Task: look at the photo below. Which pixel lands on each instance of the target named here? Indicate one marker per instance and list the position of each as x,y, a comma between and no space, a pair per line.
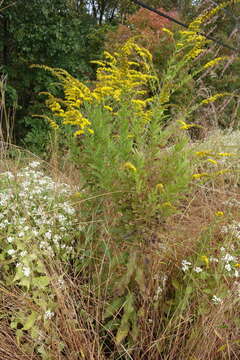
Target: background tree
50,32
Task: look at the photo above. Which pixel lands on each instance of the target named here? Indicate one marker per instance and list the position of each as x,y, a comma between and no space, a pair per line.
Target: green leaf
189,290
135,330
39,266
122,332
30,320
141,281
176,284
126,319
113,324
19,274
41,281
131,267
25,282
19,334
208,291
113,307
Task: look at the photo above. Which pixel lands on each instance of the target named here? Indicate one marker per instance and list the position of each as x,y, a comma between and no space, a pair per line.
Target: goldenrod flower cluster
215,97
193,36
128,165
219,213
185,126
68,109
196,24
212,157
120,76
214,62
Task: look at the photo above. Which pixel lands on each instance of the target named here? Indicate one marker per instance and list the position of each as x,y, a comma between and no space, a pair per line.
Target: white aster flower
10,239
61,283
229,257
34,164
11,251
185,265
216,300
228,267
48,235
8,174
26,271
197,269
48,315
236,273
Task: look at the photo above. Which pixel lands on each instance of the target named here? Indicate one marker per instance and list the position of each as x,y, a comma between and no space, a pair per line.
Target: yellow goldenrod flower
160,187
169,205
212,161
78,132
179,44
169,32
205,259
193,54
237,265
219,213
225,154
76,195
91,131
186,126
97,62
130,166
214,62
165,94
108,108
110,57
54,125
187,32
214,98
203,153
141,103
199,176
133,63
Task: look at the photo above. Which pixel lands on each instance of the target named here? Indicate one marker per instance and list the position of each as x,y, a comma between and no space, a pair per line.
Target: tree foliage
50,32
148,30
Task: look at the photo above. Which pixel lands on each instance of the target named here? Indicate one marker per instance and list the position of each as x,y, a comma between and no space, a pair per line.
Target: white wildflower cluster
34,214
216,300
229,263
232,230
225,263
186,265
213,259
48,315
